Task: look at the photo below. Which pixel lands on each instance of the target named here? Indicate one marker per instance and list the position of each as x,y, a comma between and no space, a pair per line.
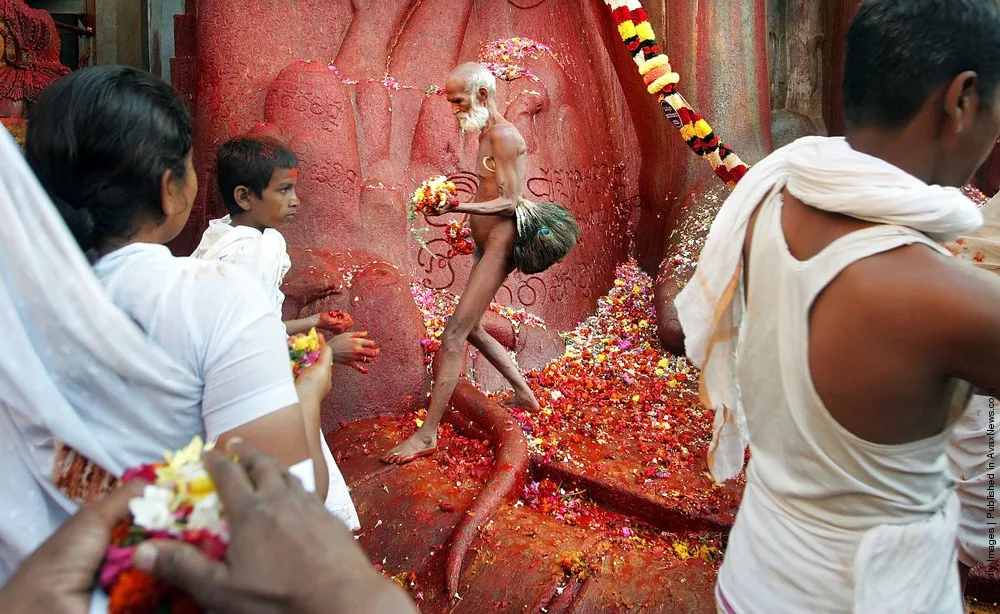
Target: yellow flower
662,364
185,471
626,29
682,551
702,129
190,454
645,31
308,343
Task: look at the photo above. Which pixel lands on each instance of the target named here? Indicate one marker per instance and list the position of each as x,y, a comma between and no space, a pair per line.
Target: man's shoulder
916,287
506,136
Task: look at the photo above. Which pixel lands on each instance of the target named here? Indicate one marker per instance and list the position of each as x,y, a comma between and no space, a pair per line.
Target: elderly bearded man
498,216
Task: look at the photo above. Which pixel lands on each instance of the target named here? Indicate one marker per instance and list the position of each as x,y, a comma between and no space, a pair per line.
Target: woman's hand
354,350
315,381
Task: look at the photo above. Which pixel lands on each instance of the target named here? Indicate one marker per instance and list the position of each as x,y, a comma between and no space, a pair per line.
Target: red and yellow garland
661,81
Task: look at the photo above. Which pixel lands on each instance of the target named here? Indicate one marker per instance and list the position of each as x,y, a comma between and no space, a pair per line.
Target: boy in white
257,178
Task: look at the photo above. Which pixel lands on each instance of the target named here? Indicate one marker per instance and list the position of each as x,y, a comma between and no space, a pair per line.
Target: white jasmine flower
151,511
207,514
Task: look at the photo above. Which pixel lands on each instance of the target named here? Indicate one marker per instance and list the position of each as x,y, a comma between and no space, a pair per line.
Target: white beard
475,119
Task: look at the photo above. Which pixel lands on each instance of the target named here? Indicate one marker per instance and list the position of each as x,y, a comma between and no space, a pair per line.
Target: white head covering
67,356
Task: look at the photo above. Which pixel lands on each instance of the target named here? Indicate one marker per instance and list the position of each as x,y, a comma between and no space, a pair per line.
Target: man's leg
484,282
498,356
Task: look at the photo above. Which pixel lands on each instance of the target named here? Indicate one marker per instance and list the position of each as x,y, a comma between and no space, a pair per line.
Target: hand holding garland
313,563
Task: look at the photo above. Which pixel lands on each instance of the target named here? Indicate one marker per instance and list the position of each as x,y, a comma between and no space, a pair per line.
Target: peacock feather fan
546,232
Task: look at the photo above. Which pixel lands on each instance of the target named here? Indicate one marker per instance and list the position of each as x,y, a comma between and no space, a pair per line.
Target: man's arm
971,327
507,148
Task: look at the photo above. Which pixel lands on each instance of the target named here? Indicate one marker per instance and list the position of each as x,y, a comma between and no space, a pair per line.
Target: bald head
472,77
471,89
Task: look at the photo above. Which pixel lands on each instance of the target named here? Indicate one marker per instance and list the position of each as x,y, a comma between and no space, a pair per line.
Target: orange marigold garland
661,81
459,237
434,197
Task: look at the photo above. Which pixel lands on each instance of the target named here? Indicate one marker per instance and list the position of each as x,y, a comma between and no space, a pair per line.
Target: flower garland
459,238
303,350
661,81
434,197
179,504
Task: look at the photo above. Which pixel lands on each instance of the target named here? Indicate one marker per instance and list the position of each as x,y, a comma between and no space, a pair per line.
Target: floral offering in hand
303,350
434,197
179,504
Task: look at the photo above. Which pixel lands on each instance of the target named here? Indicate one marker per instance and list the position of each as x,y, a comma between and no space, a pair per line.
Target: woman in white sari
107,364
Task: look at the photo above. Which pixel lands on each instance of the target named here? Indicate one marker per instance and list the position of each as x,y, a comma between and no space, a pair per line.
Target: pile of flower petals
438,305
615,382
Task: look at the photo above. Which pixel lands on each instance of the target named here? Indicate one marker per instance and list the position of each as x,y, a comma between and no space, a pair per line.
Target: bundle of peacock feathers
546,232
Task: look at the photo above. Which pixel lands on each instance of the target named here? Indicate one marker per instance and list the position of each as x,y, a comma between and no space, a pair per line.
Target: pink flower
211,544
146,473
116,561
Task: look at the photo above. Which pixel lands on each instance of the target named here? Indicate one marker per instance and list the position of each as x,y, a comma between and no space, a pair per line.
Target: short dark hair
250,162
99,141
899,51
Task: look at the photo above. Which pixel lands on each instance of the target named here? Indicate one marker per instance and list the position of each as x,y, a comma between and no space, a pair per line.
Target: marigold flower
135,592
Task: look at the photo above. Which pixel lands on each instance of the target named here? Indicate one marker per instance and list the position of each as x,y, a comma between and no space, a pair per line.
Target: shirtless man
501,161
850,358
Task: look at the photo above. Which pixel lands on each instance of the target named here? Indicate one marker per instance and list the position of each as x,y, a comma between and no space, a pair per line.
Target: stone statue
352,86
29,55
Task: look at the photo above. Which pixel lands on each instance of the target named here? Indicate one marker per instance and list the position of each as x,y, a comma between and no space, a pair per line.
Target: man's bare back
891,333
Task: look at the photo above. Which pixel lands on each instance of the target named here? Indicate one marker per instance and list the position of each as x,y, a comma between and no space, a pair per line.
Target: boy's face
277,204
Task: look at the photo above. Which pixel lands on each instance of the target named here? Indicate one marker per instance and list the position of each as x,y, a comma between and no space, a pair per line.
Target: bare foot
419,445
525,401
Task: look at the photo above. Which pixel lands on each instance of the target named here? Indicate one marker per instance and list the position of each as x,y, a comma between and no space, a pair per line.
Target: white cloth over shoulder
825,173
103,378
264,254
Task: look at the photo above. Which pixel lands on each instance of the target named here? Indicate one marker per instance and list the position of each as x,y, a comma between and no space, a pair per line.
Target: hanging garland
661,81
